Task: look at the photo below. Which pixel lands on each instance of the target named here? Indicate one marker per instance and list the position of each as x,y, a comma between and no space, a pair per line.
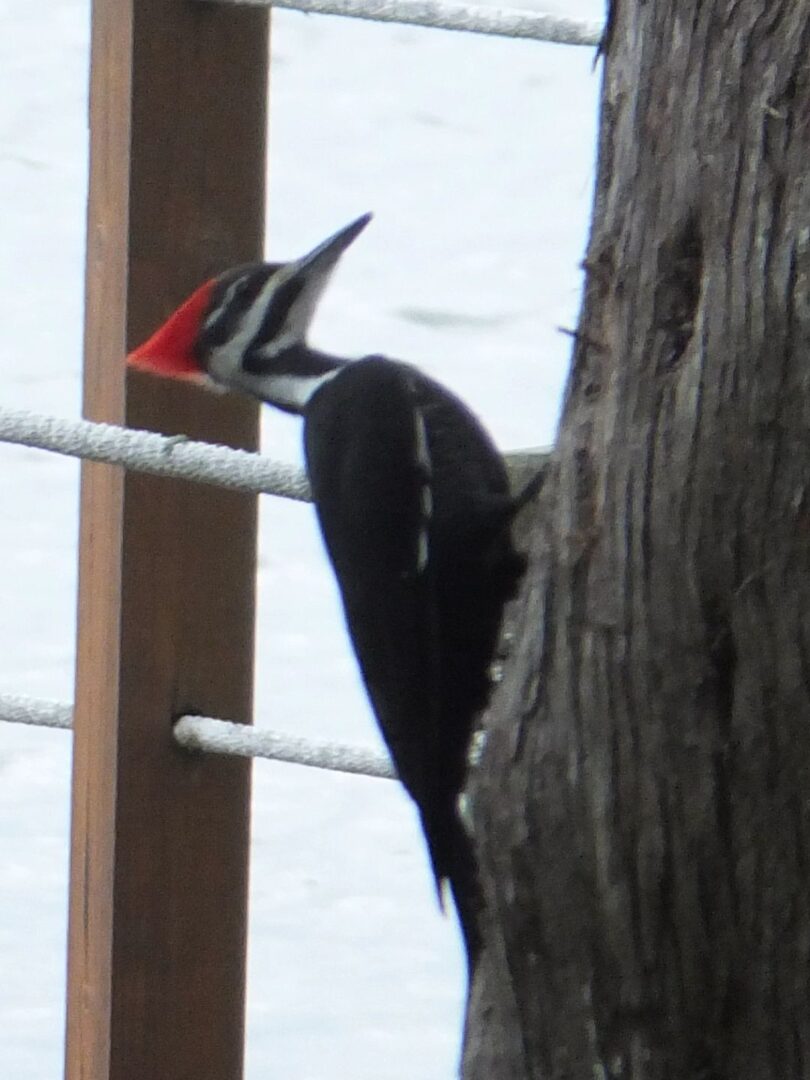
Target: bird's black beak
321,261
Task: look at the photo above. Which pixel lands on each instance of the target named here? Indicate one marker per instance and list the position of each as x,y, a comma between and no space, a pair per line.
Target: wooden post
159,837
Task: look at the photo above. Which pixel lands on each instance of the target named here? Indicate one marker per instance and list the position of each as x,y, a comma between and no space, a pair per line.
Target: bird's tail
453,860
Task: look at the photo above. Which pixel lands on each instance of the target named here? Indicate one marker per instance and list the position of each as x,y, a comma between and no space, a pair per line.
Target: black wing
371,483
414,506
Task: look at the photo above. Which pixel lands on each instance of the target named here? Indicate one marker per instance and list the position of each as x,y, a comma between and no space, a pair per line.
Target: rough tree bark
643,801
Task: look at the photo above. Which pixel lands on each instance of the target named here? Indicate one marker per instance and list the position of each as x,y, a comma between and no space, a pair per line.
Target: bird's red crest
170,350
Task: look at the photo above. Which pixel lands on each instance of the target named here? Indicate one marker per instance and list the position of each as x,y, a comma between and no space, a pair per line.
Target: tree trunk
642,804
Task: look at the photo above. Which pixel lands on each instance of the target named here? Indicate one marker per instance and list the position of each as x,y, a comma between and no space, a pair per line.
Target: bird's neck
294,376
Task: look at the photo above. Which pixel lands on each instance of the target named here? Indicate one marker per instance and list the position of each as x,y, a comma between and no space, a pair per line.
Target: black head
246,329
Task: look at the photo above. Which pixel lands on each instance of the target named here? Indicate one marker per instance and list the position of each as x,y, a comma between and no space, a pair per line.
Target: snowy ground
476,156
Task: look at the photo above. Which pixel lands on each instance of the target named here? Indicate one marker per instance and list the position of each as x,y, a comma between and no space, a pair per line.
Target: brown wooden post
159,838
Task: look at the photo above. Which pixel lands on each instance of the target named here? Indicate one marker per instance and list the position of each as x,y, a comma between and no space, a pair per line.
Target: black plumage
422,551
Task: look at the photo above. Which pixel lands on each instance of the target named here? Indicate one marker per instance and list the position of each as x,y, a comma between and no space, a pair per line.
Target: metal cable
502,22
203,733
160,455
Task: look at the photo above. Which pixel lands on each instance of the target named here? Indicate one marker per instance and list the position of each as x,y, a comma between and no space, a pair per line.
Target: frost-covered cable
160,455
39,712
503,22
240,740
221,737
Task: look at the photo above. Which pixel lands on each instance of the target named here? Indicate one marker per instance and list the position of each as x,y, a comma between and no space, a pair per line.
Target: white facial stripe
225,361
271,349
286,391
223,304
297,322
254,316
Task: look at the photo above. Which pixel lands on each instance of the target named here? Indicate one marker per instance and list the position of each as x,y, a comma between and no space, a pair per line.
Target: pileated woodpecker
415,510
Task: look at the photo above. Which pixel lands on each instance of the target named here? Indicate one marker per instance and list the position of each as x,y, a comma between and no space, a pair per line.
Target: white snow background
476,155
